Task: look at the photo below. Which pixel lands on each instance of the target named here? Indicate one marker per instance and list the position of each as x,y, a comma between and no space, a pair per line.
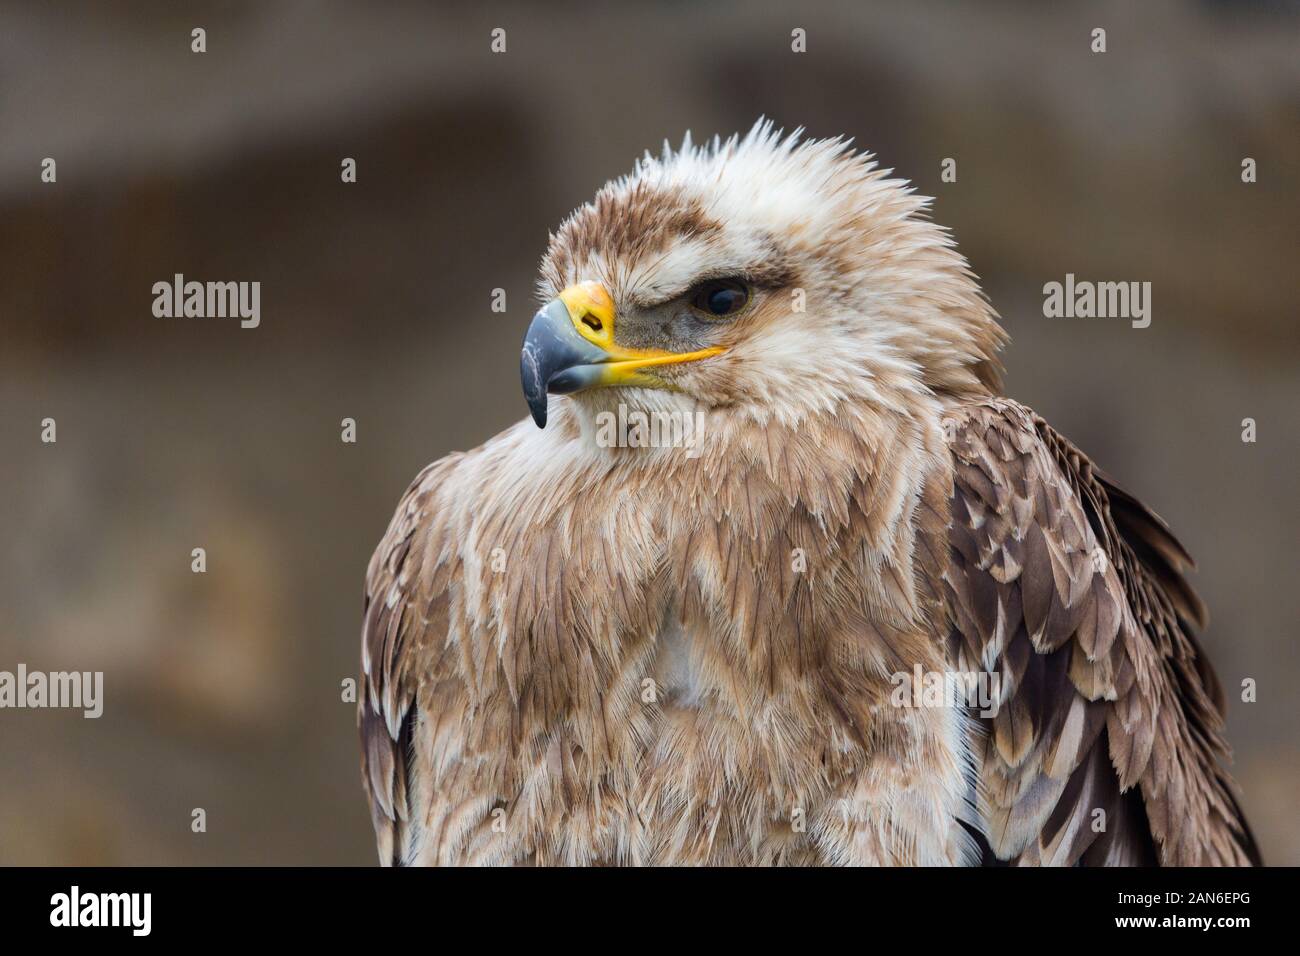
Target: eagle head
771,275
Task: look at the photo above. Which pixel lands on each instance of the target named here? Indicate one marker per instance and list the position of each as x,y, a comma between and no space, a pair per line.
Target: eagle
584,647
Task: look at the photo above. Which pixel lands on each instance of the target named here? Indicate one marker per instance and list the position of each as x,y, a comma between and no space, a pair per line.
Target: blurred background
222,690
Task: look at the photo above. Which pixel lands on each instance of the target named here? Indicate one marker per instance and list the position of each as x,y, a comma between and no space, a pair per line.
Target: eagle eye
719,297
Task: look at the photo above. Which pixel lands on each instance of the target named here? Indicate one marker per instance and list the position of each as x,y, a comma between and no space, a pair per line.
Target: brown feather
1122,621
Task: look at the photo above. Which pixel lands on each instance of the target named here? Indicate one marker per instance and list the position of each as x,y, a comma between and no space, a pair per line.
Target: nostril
592,322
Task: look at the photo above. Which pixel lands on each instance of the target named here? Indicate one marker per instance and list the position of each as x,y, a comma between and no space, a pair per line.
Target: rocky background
223,689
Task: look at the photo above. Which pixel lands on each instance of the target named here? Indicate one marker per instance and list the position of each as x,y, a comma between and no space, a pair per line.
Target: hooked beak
570,346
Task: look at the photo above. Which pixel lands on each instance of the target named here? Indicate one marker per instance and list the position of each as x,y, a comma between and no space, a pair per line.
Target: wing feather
405,616
1073,593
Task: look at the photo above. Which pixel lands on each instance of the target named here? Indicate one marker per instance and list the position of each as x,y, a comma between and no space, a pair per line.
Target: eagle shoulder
1073,593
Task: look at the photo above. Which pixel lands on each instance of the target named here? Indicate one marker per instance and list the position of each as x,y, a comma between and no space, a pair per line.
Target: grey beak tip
534,386
538,410
555,359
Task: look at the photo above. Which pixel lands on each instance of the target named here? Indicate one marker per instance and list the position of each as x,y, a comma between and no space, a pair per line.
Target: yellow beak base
570,346
591,310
